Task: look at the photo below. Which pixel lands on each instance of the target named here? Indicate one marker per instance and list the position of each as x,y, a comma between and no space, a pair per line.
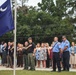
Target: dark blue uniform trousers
66,57
56,61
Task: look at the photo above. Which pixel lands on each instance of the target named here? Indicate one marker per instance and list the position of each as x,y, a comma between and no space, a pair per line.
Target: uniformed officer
56,54
65,45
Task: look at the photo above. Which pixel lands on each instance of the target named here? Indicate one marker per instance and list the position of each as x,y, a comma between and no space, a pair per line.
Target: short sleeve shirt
56,47
65,44
31,49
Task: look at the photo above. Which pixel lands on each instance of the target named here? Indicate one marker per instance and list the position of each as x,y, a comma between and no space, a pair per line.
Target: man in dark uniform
31,57
65,46
56,54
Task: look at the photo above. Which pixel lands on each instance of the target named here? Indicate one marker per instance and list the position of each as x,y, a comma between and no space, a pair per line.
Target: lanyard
54,45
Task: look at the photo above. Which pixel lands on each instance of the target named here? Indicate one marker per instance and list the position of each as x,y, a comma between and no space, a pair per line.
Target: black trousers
4,58
48,61
66,57
56,61
12,60
20,60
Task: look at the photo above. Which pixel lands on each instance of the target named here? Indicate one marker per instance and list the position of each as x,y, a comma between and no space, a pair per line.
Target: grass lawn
24,72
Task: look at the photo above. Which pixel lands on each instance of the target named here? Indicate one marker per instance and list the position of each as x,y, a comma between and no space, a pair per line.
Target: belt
65,51
55,52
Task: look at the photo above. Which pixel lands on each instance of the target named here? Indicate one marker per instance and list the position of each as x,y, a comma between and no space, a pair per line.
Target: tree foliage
46,21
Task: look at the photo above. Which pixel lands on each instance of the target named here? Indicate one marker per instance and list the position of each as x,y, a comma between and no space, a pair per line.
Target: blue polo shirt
64,44
56,47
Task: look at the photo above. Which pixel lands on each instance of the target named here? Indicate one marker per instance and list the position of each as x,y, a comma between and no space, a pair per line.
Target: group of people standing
63,54
61,50
24,53
6,53
57,55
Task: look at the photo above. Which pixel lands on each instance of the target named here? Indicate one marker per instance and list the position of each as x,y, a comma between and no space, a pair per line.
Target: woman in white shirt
73,55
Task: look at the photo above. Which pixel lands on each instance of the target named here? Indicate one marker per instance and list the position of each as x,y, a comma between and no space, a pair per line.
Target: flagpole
15,22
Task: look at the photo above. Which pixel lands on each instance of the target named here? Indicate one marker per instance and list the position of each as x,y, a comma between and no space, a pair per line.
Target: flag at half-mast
6,19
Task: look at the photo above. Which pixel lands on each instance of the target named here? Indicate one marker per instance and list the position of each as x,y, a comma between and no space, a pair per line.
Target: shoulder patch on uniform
66,42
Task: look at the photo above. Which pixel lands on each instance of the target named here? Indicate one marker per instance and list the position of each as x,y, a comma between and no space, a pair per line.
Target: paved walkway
38,69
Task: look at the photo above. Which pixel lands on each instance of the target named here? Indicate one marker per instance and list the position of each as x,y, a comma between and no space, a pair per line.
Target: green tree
47,21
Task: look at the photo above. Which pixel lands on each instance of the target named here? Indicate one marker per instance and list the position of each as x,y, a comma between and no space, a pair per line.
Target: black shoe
67,70
53,71
32,69
25,69
7,66
63,70
59,71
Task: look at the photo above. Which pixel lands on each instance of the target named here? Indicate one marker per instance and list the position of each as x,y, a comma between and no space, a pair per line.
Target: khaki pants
31,61
25,61
9,61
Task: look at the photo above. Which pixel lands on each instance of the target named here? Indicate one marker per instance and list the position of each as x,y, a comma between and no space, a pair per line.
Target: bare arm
34,52
65,48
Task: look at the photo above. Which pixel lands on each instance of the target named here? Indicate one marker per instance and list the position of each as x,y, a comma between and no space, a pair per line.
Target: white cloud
32,2
54,2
